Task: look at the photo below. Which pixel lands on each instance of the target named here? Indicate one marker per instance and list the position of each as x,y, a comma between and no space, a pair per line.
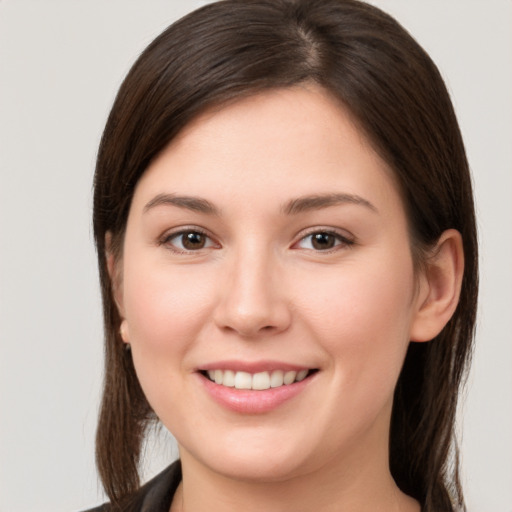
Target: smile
254,387
256,381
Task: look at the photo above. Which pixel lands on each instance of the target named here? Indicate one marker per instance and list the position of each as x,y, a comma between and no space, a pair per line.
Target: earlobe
123,331
440,286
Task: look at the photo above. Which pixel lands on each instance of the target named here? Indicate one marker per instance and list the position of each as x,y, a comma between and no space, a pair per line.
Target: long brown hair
363,57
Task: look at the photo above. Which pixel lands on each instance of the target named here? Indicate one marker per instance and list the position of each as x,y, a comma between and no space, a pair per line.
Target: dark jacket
154,496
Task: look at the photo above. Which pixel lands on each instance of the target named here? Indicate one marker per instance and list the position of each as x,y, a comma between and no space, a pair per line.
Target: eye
323,241
188,240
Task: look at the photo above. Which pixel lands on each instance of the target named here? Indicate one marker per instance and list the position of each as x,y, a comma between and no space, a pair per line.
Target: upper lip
253,366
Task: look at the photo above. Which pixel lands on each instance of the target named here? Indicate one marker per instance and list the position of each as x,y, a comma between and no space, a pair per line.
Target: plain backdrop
61,62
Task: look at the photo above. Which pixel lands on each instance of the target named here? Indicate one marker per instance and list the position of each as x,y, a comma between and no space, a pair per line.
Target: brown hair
363,57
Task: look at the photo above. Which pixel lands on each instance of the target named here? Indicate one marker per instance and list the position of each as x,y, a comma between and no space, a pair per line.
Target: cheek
362,316
165,306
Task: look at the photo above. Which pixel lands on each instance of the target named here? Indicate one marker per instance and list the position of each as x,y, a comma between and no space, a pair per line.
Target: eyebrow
195,204
292,207
318,201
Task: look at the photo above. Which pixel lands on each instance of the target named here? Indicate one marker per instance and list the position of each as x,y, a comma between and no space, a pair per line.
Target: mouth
255,387
259,381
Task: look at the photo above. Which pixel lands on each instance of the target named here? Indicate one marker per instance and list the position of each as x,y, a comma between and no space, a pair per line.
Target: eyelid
346,239
181,230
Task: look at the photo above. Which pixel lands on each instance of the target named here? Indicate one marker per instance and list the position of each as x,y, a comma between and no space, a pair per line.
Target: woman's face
266,242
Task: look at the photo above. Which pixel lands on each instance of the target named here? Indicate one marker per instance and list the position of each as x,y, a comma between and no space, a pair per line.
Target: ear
439,288
114,272
116,283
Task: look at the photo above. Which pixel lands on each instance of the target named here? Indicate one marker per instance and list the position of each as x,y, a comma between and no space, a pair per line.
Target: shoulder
154,496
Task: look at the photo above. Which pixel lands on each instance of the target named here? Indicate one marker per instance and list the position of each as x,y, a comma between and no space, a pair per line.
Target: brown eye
193,240
190,240
323,241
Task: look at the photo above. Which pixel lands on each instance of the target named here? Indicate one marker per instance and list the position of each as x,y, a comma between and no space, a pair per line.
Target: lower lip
248,401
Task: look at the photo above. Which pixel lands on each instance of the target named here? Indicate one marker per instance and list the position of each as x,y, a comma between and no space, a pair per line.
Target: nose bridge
252,301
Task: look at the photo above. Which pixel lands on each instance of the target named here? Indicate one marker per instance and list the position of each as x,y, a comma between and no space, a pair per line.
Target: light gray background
61,62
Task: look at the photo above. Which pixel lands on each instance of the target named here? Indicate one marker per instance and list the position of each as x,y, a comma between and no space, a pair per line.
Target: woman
286,238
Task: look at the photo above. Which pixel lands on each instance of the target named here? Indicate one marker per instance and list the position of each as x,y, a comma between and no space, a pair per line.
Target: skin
260,290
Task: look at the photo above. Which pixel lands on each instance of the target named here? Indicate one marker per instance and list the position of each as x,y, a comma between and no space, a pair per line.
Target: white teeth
289,377
301,375
261,380
257,381
276,379
229,379
243,380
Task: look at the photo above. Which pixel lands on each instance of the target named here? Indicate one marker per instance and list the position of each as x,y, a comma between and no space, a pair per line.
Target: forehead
276,144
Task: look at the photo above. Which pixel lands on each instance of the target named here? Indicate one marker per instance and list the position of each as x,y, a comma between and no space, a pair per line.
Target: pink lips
252,401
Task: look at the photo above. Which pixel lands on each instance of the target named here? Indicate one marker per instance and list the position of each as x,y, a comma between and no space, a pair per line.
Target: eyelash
166,239
341,241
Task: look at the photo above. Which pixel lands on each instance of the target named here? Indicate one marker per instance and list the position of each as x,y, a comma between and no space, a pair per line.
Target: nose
253,299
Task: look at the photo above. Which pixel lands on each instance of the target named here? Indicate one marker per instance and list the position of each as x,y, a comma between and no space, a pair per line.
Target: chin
258,461
262,469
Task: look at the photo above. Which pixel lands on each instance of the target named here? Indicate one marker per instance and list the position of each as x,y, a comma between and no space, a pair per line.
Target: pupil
193,241
323,241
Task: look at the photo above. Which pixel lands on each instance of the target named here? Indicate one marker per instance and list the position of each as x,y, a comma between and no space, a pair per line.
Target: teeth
276,379
289,377
229,379
301,375
243,380
257,381
261,380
